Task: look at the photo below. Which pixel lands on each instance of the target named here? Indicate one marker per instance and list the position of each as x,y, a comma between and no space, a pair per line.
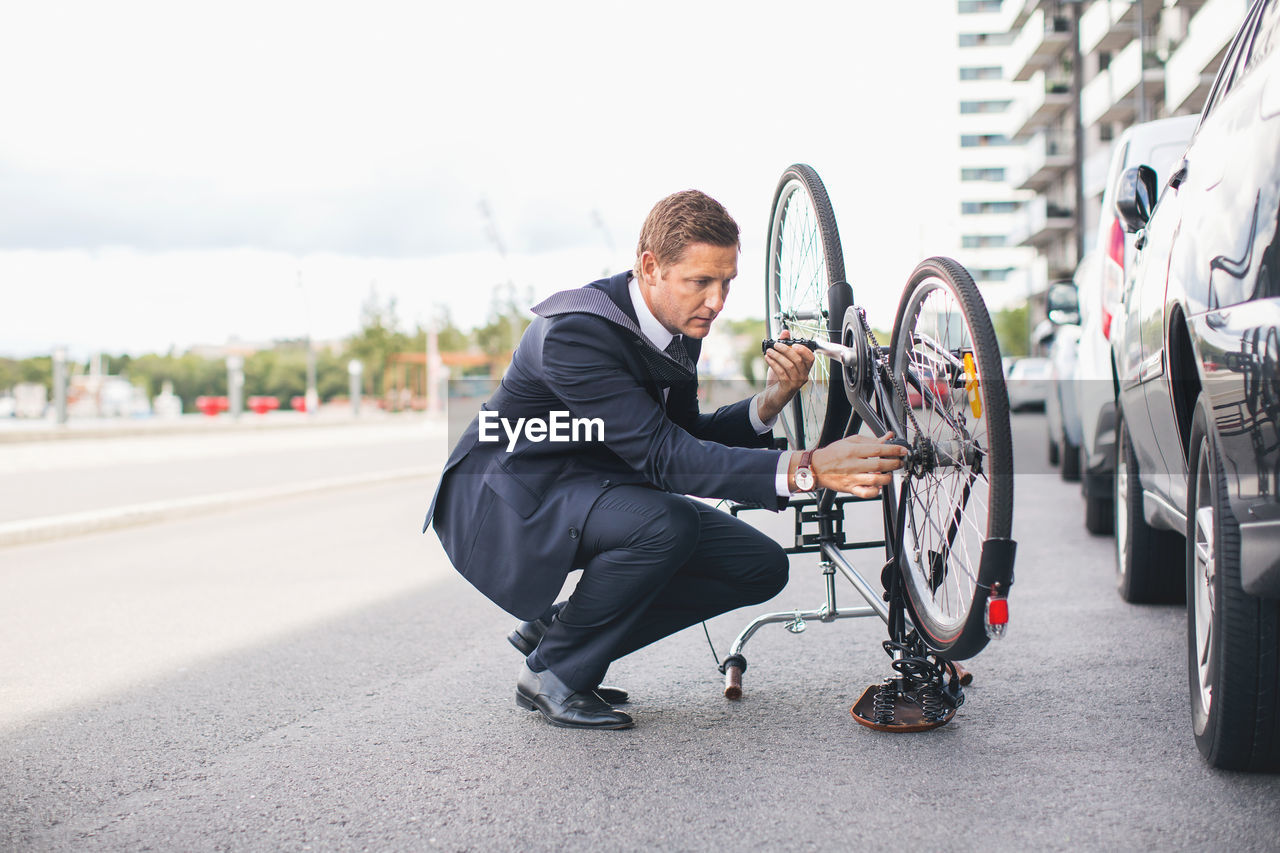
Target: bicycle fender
996,564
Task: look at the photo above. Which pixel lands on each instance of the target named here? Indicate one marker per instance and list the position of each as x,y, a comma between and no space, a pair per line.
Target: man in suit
517,509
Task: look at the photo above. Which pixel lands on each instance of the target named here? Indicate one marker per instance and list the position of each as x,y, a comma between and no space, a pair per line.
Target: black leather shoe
563,706
526,637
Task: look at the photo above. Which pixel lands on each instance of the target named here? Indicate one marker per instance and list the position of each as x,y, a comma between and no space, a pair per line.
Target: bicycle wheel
805,292
961,492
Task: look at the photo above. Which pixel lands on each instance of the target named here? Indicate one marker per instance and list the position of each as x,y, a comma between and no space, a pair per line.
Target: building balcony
1048,156
1194,62
1111,24
1044,221
1040,41
1023,9
1110,96
1043,100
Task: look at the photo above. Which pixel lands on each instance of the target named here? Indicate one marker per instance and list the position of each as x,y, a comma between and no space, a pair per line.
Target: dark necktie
677,351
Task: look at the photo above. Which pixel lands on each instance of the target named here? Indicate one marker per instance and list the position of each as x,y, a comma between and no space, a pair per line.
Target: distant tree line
281,371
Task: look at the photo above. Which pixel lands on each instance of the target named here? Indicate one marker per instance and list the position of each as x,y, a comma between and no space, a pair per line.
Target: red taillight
1112,275
997,617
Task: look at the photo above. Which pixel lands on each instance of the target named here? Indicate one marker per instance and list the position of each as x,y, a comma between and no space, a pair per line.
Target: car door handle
1179,175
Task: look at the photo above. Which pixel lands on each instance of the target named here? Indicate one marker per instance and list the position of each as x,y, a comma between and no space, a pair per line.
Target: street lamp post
313,396
355,372
1077,87
235,385
60,385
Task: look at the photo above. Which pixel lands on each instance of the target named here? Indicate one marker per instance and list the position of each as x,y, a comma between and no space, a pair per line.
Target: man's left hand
788,371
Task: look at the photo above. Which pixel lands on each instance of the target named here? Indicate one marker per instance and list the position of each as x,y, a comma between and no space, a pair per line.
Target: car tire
1070,470
1147,559
1099,516
1233,639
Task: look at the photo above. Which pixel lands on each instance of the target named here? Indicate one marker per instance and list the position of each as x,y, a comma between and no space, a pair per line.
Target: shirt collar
653,330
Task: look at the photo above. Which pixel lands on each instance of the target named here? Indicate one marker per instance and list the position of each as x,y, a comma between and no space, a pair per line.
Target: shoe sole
529,705
522,645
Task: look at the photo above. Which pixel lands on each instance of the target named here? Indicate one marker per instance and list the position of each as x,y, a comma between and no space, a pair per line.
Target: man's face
687,295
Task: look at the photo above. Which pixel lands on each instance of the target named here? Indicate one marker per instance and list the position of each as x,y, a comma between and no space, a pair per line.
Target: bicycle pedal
907,713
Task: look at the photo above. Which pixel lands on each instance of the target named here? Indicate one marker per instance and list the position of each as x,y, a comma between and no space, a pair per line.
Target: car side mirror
1063,304
1136,197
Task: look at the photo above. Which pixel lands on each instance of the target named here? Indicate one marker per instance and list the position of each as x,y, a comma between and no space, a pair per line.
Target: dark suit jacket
511,521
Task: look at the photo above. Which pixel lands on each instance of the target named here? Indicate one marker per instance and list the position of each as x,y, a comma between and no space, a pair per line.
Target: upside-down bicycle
939,387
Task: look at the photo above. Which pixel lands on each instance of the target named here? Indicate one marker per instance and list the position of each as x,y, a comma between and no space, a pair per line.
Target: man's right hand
859,465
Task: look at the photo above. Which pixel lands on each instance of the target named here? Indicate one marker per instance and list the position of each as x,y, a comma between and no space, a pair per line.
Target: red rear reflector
998,611
997,617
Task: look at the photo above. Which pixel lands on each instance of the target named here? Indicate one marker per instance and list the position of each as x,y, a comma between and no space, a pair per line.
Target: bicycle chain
899,388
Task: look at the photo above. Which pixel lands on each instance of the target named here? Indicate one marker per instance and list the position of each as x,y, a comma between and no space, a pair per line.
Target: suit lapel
610,300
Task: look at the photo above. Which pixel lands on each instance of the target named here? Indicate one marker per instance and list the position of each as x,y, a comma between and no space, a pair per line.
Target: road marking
77,523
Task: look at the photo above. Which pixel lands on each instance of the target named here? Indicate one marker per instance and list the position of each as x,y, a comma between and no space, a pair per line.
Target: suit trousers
652,564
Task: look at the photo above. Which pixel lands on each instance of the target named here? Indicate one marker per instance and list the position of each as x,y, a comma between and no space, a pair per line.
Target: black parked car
1197,356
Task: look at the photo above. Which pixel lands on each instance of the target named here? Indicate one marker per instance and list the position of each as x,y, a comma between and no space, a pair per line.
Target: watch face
804,479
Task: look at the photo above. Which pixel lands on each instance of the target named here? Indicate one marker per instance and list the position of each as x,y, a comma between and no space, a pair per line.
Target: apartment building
989,162
1138,60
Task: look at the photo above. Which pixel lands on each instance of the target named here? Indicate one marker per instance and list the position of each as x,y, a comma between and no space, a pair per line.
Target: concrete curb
74,524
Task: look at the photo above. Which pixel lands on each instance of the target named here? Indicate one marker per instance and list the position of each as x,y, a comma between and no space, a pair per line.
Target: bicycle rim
944,345
804,260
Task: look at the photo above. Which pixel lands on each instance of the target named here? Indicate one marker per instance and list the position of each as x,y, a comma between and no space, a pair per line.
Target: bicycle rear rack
912,700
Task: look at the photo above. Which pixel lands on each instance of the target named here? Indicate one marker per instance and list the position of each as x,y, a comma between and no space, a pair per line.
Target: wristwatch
805,480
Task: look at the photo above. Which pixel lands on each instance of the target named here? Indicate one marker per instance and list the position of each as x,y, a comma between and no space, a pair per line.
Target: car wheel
1070,470
1099,515
1232,663
1053,450
1146,558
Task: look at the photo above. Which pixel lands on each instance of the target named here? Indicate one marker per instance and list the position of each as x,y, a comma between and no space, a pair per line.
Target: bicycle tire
952,510
805,292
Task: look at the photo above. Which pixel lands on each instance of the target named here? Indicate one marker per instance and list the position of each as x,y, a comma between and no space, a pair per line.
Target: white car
1028,383
1159,144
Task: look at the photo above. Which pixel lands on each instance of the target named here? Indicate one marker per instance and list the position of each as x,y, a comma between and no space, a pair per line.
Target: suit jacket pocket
524,491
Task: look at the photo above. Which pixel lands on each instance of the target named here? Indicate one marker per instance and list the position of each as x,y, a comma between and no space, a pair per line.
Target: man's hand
788,371
859,464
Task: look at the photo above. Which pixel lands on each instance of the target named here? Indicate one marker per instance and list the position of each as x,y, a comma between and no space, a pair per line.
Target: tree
1011,330
378,339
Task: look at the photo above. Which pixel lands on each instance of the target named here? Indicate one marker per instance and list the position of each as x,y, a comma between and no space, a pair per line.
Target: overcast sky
170,172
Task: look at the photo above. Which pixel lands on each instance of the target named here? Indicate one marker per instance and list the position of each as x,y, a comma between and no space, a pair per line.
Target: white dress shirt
661,338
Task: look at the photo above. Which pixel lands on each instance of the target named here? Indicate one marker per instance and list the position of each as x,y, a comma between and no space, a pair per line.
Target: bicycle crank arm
836,352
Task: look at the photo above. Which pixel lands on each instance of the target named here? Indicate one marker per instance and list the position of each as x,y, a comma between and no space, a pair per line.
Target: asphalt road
311,674
75,475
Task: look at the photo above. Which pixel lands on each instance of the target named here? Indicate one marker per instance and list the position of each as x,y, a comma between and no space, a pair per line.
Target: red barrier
262,405
212,405
299,403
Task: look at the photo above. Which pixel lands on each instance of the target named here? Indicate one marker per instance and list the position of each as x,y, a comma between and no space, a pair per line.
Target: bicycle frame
875,398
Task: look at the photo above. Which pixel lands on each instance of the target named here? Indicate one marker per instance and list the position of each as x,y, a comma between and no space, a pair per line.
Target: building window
986,39
1104,60
983,140
970,107
982,207
973,7
988,174
983,241
981,72
1106,131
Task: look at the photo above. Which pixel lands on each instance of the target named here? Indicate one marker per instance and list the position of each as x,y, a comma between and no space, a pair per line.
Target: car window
1266,35
1164,159
1230,64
